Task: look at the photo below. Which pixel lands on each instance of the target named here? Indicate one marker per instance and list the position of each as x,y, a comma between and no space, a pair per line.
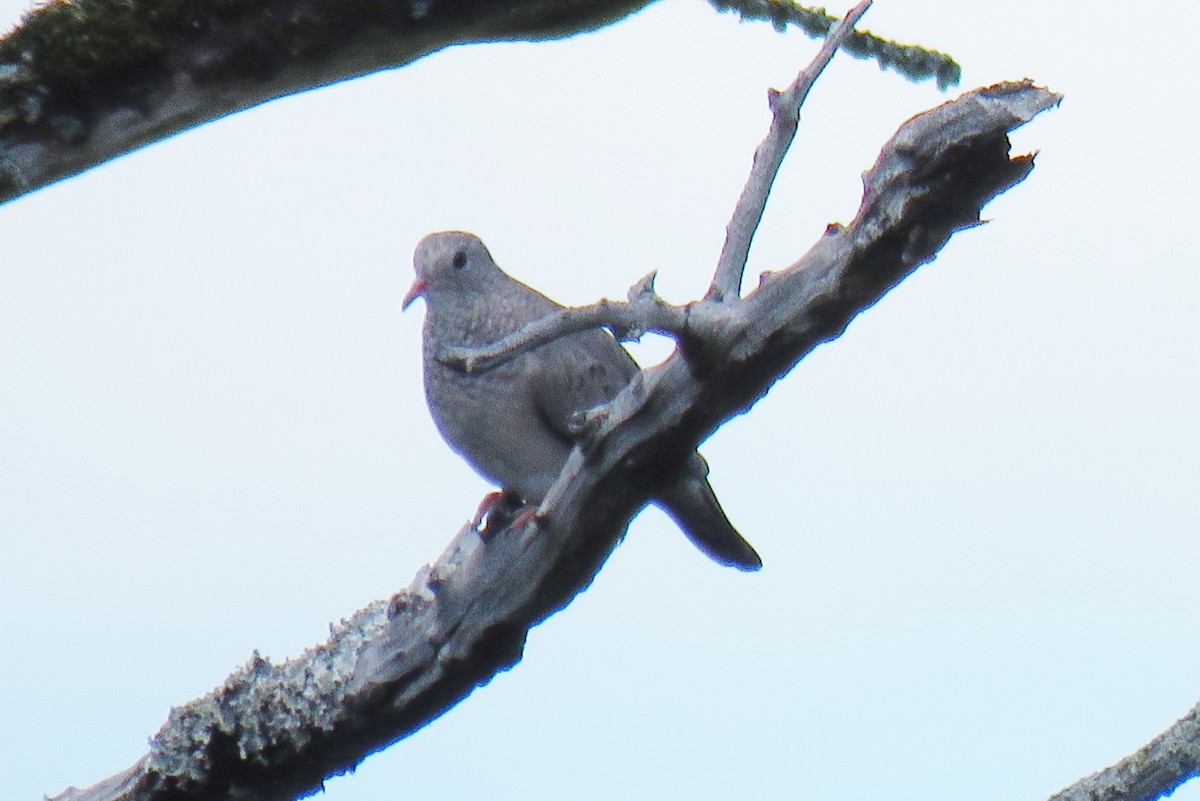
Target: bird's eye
460,259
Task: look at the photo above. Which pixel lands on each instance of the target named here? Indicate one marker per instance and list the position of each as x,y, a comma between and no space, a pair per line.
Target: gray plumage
510,423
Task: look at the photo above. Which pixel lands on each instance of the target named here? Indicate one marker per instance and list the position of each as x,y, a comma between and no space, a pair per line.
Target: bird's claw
499,511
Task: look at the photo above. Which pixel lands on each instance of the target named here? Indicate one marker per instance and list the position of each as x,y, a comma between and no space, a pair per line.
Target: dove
511,423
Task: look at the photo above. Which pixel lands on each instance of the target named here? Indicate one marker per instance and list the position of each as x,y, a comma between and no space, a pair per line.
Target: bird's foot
492,504
500,510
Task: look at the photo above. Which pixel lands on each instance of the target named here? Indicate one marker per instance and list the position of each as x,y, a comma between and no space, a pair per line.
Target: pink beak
415,291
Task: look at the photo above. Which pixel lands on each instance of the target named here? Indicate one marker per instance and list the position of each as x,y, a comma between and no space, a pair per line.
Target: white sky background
977,509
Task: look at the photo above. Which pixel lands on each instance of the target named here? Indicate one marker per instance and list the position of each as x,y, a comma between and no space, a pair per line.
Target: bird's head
451,263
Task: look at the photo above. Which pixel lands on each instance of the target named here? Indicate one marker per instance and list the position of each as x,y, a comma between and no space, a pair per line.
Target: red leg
524,517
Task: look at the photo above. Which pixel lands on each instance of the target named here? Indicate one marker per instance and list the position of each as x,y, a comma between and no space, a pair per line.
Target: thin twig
627,320
785,108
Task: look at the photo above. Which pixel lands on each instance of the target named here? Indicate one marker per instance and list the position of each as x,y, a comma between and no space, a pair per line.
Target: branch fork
696,325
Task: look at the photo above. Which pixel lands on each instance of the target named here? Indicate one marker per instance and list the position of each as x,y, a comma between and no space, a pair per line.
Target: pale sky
977,509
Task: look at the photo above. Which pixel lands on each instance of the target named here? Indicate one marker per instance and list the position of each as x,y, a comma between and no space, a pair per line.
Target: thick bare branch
272,732
85,81
785,111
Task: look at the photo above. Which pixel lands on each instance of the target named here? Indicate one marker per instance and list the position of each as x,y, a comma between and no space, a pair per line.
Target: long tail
691,503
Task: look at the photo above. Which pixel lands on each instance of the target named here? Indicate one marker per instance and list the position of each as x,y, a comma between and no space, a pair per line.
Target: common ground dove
511,423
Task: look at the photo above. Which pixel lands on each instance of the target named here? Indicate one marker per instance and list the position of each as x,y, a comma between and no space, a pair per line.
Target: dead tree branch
276,731
1153,771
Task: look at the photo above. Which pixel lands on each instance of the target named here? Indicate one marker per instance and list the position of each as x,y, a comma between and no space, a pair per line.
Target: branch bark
276,731
1153,771
84,82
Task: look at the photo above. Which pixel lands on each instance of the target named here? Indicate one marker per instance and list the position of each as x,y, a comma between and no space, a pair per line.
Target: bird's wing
576,373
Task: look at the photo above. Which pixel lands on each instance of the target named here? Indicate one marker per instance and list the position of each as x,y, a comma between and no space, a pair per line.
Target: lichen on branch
912,61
